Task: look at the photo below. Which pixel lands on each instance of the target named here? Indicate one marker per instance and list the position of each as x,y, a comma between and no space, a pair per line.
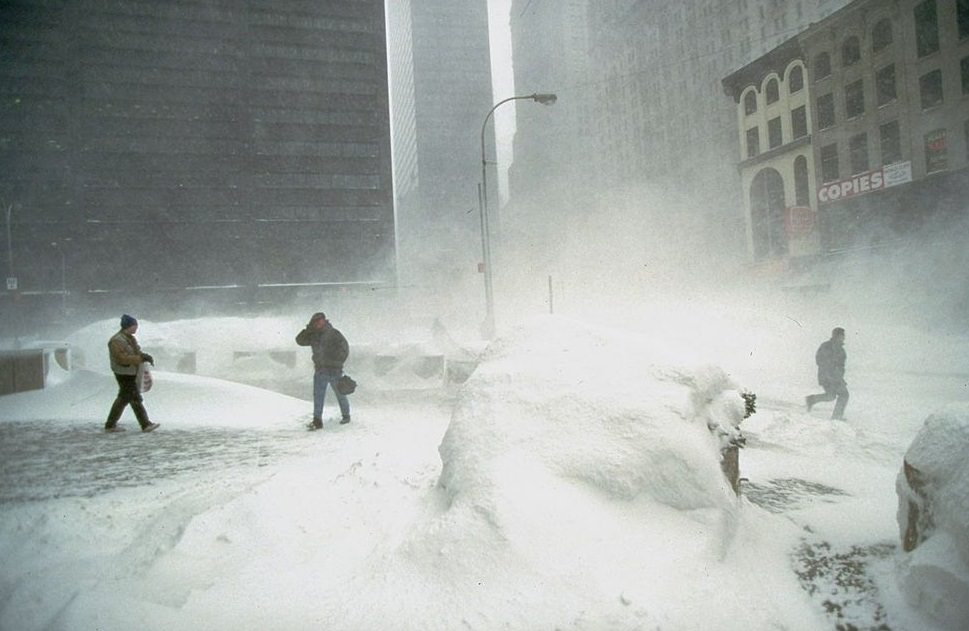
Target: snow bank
83,396
581,405
262,351
933,493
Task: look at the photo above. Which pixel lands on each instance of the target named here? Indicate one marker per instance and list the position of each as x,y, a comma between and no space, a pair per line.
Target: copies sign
857,185
885,177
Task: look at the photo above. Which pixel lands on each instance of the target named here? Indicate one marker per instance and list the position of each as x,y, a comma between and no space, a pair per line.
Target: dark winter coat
125,353
830,359
330,348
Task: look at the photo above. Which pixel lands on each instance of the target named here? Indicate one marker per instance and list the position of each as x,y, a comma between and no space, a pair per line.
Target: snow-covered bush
933,518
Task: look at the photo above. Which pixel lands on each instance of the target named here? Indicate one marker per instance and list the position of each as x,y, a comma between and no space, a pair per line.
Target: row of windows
931,93
934,145
881,38
775,137
772,92
926,36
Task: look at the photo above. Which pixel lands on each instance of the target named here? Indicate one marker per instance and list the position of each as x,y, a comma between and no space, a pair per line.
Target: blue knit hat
127,321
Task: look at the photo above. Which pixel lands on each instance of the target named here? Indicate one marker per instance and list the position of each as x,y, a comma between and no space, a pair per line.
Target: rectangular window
965,137
859,153
885,85
964,67
774,137
753,142
930,89
926,28
962,16
829,163
826,111
891,143
854,99
936,158
799,127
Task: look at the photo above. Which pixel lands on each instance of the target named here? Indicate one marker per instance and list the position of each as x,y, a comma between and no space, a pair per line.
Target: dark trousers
832,392
127,395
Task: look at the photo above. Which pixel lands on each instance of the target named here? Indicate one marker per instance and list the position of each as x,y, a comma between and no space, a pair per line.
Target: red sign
799,221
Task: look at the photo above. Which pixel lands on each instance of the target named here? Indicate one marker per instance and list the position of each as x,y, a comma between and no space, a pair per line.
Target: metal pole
63,283
9,242
544,99
488,327
551,304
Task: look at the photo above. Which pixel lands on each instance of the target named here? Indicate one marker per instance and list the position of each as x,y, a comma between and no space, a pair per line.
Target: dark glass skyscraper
205,144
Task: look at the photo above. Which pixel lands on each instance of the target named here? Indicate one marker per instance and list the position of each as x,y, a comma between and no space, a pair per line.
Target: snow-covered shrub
933,518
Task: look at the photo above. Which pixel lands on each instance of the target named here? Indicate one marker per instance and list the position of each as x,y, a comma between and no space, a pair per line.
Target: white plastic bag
143,379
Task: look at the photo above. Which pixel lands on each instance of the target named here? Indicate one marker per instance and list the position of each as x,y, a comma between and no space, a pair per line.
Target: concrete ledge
28,369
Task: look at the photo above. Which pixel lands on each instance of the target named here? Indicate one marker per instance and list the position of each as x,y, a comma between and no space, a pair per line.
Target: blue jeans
323,377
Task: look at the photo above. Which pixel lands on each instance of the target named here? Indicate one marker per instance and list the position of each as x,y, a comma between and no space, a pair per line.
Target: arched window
750,103
822,66
772,91
850,51
881,35
767,215
801,190
795,80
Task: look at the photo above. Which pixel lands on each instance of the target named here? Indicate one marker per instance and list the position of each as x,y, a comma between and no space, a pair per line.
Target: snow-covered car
933,518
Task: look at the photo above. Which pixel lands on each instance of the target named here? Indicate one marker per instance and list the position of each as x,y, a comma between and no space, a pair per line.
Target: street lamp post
59,246
9,243
489,323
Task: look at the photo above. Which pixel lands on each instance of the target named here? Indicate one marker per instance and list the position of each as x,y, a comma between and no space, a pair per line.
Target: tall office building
210,145
442,90
651,119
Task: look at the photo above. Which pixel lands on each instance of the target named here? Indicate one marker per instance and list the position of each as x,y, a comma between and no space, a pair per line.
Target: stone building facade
881,113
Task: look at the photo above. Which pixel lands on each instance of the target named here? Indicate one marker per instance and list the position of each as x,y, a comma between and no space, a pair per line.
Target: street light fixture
489,323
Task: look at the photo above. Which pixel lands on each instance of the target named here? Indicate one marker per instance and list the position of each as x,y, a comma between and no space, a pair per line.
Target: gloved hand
145,357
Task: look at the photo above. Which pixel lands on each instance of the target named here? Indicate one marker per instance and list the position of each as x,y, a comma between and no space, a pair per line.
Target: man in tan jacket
126,357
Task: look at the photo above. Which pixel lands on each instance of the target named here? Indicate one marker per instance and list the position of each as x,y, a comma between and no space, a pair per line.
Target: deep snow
571,483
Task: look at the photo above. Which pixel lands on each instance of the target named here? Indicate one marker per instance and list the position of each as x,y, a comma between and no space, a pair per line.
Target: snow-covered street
543,493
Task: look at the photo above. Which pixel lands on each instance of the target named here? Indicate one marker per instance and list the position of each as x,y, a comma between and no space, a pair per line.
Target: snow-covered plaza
571,482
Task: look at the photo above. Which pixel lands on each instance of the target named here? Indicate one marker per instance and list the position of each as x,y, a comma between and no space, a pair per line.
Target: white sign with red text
861,183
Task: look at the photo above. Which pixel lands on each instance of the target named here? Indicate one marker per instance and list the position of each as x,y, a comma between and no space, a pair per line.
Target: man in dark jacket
330,350
830,359
126,357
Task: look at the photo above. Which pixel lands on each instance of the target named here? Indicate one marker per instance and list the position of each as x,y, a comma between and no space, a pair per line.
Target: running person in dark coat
830,359
330,350
126,356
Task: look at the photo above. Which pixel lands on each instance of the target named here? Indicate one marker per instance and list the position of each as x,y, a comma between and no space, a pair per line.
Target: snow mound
933,515
578,404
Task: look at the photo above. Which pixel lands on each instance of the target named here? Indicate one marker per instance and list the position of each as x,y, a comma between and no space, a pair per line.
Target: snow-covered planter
933,518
